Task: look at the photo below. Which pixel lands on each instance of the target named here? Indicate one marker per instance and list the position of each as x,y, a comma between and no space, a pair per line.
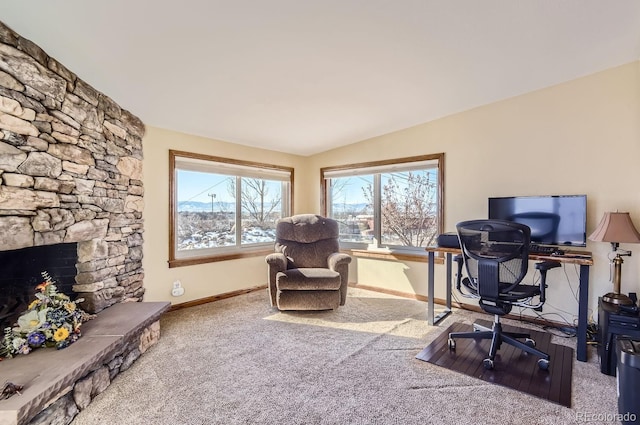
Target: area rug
513,368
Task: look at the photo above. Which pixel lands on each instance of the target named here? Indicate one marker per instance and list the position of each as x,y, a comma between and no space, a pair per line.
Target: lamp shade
615,227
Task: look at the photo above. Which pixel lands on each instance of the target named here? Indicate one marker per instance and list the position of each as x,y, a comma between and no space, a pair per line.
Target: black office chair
496,256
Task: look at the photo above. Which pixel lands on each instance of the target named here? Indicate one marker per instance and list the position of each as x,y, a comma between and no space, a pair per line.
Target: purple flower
35,339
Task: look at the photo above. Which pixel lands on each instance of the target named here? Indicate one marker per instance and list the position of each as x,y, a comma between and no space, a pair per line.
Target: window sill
360,253
192,261
392,255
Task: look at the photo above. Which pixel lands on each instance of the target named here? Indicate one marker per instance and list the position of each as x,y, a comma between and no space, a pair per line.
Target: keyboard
534,248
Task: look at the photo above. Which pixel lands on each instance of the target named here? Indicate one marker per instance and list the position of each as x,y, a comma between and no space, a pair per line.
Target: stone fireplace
71,202
70,172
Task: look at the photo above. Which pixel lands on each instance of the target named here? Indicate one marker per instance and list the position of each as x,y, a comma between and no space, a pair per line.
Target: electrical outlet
177,290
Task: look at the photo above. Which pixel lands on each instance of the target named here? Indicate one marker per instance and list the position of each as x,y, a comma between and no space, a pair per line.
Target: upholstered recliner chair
307,271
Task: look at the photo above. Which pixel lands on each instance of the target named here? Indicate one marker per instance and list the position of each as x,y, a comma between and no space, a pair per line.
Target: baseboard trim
218,297
470,307
394,292
418,297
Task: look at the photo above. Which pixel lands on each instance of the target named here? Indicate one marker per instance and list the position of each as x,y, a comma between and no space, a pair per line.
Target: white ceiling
305,76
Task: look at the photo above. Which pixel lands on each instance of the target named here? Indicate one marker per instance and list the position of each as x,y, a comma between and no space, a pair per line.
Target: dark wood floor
513,368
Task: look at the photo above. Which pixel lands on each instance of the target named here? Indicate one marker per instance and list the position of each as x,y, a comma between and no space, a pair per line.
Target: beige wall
579,137
202,280
582,136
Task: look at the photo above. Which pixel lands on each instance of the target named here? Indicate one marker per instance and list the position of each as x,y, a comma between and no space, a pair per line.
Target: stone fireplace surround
71,169
71,172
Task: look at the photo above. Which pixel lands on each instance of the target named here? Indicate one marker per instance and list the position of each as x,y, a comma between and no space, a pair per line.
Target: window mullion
377,213
286,200
238,211
328,196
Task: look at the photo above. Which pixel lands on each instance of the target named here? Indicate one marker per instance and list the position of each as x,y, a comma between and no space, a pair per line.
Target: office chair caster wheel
452,344
543,364
529,342
488,364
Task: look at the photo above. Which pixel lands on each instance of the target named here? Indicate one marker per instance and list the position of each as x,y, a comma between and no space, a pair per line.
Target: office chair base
497,337
488,364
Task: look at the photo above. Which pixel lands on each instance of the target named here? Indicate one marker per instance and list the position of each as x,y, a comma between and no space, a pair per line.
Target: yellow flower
61,334
33,304
70,307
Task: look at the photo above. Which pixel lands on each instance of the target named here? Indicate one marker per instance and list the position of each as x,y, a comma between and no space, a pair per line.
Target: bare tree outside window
260,206
409,209
394,204
259,201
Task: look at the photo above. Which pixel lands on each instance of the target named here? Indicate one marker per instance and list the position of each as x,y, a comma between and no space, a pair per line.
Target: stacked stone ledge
70,171
73,399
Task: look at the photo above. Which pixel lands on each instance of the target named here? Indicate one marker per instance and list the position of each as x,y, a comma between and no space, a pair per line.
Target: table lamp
616,227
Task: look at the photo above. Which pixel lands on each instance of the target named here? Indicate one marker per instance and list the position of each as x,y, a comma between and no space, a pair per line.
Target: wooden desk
582,258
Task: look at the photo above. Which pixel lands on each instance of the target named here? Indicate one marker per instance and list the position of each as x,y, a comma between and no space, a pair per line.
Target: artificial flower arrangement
51,320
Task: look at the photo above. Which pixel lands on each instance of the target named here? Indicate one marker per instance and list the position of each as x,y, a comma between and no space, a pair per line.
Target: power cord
568,331
592,334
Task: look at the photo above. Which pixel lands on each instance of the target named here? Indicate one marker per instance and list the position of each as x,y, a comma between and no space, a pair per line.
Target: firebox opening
22,272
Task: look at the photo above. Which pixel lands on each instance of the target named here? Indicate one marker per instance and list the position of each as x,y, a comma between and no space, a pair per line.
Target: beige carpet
238,361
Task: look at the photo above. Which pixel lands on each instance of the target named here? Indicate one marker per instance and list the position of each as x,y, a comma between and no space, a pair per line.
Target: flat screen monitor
554,220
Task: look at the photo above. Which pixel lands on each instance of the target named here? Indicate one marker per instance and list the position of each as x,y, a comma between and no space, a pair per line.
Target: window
394,204
223,208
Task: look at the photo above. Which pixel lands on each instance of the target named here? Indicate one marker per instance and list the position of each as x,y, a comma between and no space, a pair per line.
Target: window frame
223,253
384,166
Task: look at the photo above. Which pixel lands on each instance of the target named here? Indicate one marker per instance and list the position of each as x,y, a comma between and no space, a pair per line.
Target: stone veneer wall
71,171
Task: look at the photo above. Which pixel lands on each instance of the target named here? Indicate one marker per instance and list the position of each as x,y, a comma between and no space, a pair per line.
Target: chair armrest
463,284
337,259
547,265
277,261
339,262
460,260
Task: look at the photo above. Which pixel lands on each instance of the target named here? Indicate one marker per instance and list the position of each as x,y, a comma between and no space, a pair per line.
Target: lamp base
617,299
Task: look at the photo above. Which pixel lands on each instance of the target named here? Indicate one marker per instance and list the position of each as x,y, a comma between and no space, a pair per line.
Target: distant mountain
194,206
343,207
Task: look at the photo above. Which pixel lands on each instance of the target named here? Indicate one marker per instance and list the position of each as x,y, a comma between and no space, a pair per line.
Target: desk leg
449,277
583,307
431,318
430,288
